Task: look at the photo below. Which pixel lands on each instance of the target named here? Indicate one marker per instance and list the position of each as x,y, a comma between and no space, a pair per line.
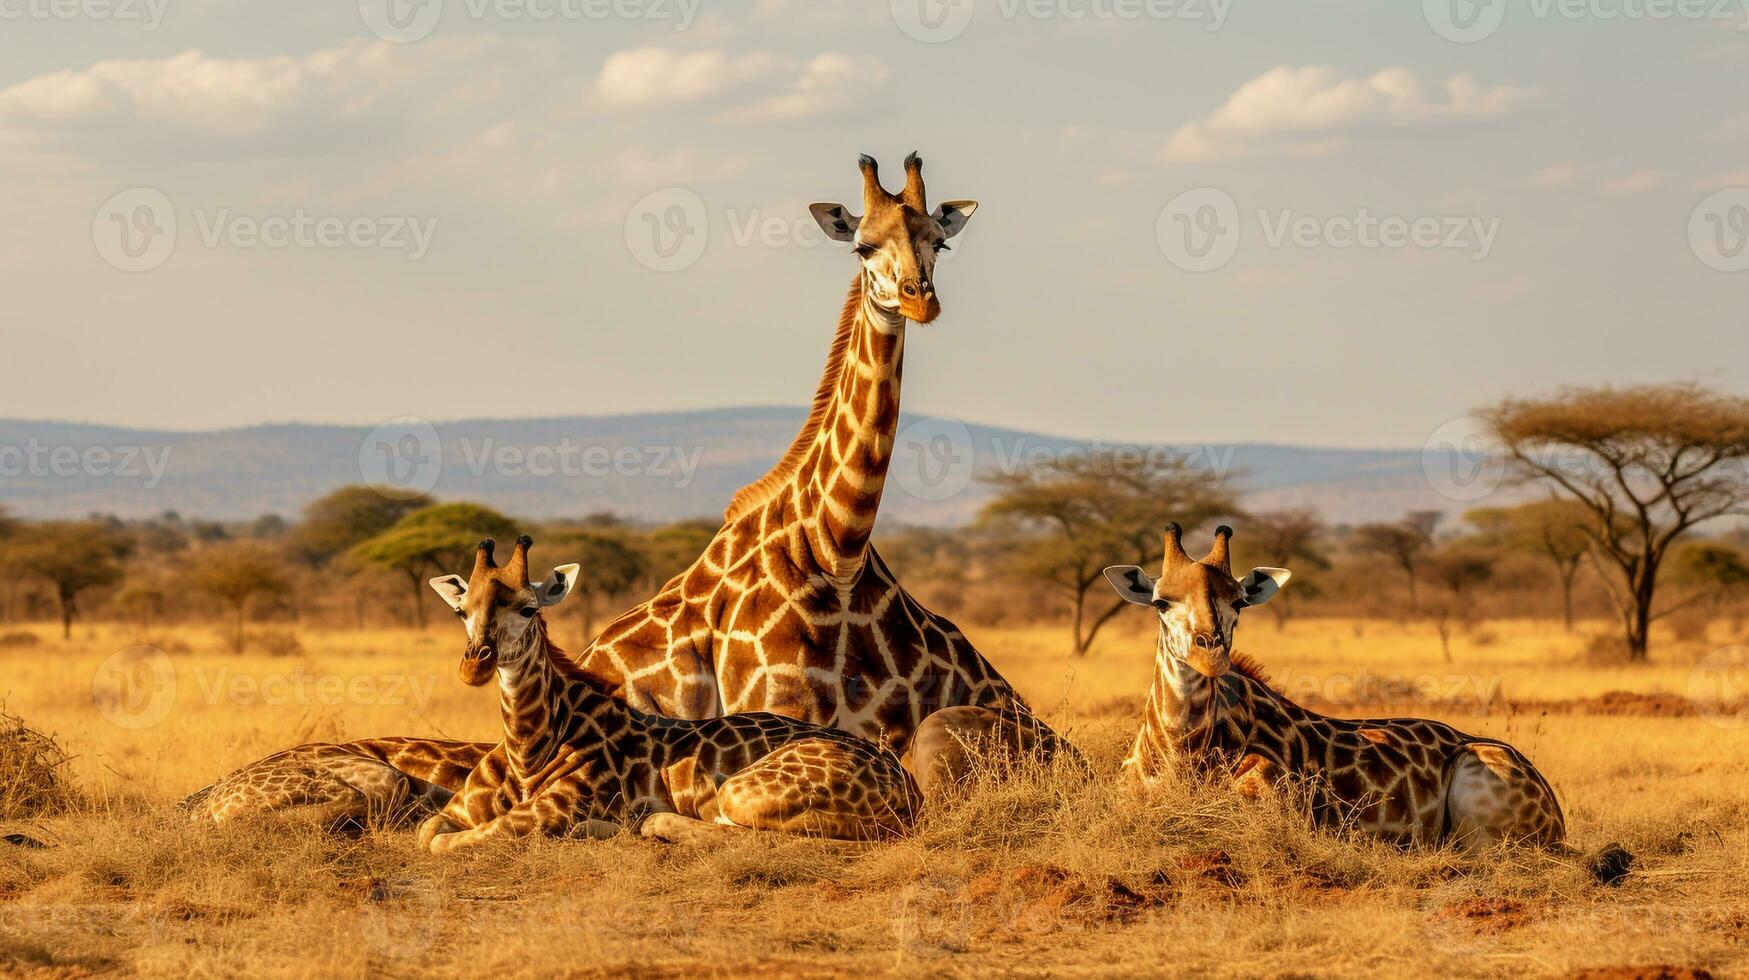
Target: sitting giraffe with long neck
576,761
1407,780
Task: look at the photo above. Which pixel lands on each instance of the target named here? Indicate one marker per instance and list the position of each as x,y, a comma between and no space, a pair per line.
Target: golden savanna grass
1041,875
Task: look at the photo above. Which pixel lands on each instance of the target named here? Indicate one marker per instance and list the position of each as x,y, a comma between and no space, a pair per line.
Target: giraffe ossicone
1407,780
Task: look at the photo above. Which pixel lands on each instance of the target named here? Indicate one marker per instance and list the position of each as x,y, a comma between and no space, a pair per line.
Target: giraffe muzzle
1209,661
478,664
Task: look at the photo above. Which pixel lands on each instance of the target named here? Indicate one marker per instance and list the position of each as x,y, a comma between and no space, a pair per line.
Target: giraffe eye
1162,605
527,612
864,249
942,246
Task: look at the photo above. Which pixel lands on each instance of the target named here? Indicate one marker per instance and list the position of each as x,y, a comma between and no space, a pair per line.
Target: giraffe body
1407,780
576,760
385,781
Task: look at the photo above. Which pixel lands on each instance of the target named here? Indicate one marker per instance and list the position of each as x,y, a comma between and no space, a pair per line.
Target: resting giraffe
577,761
791,610
1408,780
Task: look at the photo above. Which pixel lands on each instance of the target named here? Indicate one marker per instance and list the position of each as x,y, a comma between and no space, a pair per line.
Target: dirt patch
1657,972
1037,899
19,640
1489,916
1214,867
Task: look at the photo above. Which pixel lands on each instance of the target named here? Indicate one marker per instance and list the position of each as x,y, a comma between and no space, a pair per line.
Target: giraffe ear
1261,584
953,215
452,588
1132,584
836,221
558,585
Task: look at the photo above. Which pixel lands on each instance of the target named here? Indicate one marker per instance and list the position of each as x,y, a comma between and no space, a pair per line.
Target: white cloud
1637,182
1311,108
641,77
227,96
1555,175
828,81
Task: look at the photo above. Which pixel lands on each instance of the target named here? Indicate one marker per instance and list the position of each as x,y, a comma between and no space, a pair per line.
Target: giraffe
379,781
1411,781
790,609
576,761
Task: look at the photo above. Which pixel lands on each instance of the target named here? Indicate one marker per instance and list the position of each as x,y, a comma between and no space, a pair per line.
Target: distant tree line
1624,509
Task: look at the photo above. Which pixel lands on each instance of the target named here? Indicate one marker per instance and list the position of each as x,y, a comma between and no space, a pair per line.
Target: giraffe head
499,606
1198,601
897,239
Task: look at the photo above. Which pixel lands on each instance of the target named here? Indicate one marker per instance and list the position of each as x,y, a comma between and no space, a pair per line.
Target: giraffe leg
1255,777
954,742
820,787
678,829
549,815
335,792
1494,796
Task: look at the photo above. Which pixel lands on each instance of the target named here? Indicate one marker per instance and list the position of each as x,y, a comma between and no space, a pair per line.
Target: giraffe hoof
431,830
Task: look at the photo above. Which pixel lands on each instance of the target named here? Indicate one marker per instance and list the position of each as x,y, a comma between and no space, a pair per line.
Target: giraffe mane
1243,664
762,490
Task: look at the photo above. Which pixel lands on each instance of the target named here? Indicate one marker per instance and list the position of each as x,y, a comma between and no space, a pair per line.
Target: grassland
1041,876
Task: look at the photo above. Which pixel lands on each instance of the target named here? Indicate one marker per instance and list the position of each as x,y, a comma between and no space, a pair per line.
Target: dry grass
1042,876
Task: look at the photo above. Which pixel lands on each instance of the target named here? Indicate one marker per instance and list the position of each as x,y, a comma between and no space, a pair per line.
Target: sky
1344,223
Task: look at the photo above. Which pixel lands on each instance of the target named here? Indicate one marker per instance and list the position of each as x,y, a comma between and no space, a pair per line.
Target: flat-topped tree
72,556
1649,462
431,539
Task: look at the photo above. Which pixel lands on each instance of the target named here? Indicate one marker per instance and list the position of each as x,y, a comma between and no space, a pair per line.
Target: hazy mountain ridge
659,466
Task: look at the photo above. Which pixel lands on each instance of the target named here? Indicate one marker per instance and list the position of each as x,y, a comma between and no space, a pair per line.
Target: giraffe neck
544,705
1186,710
837,486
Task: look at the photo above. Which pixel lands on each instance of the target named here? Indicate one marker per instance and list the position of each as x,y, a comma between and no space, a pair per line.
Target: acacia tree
1287,539
431,541
72,556
234,573
334,523
1457,568
1403,543
1553,529
1065,519
1649,462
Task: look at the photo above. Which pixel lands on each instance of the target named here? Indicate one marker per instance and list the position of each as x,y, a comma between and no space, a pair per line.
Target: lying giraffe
790,609
1407,780
378,781
577,761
